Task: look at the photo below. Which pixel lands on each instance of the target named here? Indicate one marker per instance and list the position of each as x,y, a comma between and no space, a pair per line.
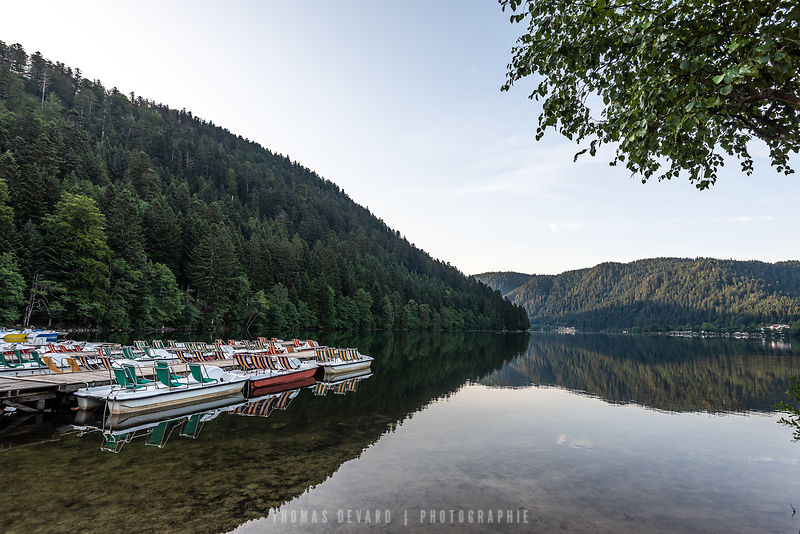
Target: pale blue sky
399,104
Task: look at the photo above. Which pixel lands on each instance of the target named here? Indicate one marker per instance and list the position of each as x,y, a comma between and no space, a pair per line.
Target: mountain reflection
672,374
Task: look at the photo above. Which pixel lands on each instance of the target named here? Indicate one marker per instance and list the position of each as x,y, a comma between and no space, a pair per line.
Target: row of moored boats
158,376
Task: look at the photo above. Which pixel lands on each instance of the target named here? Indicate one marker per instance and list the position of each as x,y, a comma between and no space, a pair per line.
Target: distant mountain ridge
658,294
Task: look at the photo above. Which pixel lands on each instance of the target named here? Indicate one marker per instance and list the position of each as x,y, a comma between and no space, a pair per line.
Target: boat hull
332,368
281,379
175,398
16,337
125,402
279,388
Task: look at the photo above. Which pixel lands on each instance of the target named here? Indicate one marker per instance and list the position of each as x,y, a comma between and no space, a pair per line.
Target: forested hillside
504,282
121,212
663,294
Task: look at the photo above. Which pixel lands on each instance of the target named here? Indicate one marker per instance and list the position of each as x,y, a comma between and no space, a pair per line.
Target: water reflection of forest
674,374
240,467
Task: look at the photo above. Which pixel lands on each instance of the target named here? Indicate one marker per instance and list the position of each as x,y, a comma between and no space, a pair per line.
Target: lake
451,432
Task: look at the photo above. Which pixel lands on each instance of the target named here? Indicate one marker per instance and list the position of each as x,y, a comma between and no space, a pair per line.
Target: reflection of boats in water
117,430
341,384
263,406
157,427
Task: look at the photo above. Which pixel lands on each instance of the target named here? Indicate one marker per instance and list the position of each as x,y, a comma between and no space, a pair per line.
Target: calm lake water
476,432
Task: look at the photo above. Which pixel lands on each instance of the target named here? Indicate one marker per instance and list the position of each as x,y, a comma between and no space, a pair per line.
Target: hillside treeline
662,294
121,212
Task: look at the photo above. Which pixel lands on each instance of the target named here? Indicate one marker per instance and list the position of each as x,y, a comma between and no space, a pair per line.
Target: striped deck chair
219,342
283,401
354,355
312,343
219,355
183,357
140,345
274,339
261,343
352,384
331,354
287,363
320,389
341,388
158,344
200,357
296,342
171,343
51,348
73,365
105,362
231,342
266,363
321,355
260,408
245,361
84,362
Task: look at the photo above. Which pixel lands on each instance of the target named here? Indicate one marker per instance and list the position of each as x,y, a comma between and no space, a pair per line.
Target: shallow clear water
585,433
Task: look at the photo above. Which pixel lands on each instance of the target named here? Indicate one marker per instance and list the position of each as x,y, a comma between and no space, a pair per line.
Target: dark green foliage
127,213
669,83
12,287
664,294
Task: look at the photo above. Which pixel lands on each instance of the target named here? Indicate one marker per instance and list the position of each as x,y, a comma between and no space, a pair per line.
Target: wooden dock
30,392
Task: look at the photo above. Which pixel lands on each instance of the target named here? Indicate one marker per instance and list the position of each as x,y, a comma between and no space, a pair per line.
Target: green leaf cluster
678,85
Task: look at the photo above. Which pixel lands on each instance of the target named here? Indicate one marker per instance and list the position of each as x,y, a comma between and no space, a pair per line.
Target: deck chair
219,355
37,358
200,357
133,377
182,357
296,342
159,435
138,344
245,361
105,362
122,379
266,363
128,353
259,408
84,361
7,363
352,384
197,373
320,389
50,364
21,357
172,376
158,344
191,428
73,365
283,401
165,377
114,442
287,363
